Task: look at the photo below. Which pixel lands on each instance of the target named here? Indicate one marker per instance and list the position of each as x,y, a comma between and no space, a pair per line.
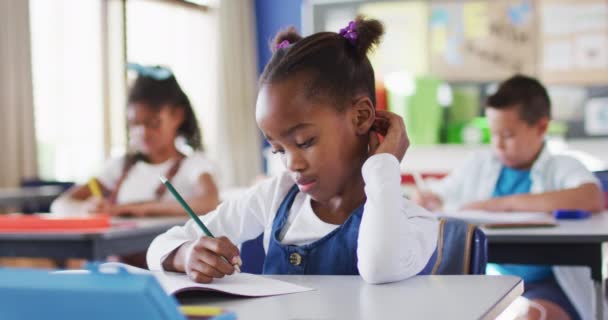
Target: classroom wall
271,16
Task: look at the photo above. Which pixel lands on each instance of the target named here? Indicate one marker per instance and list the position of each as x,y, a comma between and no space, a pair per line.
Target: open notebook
504,219
240,284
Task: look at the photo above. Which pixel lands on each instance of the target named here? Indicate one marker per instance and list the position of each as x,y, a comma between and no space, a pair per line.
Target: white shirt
303,226
476,179
396,237
141,182
143,178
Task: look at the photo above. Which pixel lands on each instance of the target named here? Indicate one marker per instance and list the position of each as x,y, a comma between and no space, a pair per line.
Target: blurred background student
164,140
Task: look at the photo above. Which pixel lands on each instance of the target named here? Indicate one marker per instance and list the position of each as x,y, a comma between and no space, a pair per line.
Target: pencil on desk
95,189
191,213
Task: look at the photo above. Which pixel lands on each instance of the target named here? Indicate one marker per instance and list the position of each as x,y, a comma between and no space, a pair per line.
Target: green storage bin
419,108
465,104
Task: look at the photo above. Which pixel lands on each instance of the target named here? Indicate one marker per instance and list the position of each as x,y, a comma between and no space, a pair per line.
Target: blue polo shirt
510,182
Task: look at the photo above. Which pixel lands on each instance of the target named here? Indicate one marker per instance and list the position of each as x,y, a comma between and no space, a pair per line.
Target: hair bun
290,35
369,33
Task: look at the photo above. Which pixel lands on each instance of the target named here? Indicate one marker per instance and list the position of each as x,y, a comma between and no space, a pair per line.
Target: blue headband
156,72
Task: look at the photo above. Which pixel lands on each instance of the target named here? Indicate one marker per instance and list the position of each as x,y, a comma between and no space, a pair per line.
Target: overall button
295,259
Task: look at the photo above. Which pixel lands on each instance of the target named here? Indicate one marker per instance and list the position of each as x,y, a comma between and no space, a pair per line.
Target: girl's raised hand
391,127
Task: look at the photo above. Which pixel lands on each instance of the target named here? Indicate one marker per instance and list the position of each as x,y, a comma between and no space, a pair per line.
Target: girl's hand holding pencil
97,205
208,257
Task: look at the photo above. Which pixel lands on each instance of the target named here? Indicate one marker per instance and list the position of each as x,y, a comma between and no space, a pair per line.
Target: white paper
241,284
485,217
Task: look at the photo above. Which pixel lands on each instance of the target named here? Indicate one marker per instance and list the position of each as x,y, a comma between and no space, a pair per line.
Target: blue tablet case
36,294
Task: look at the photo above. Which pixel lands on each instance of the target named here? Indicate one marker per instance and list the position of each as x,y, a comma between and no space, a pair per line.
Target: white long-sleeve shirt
396,237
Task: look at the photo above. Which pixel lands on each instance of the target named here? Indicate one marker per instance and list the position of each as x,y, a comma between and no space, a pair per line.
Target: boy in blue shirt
520,174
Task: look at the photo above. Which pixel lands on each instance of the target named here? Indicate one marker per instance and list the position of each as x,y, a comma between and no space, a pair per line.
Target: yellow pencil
95,189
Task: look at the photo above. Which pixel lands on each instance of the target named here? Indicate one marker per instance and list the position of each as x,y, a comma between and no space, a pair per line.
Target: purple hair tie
350,32
284,44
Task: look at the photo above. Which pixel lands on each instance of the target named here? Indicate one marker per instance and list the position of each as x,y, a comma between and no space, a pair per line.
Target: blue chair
462,248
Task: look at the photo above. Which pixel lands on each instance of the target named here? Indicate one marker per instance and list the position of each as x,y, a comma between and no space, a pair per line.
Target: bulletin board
574,42
475,40
404,44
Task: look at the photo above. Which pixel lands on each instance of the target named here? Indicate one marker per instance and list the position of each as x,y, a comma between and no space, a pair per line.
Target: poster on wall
482,40
404,44
574,41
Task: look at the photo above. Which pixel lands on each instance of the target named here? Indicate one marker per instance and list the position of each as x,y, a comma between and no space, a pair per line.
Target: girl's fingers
216,262
374,142
199,277
199,265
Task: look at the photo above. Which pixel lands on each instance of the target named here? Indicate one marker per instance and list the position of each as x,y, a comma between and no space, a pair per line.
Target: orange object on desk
51,223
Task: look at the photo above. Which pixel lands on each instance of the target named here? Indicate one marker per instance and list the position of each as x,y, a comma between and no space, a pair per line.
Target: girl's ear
177,115
363,114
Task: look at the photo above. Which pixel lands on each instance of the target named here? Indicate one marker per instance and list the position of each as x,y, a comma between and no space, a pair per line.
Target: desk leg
598,282
599,299
595,257
97,252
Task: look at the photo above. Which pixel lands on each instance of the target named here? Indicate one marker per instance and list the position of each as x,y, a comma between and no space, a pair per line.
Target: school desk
572,242
125,236
16,197
349,297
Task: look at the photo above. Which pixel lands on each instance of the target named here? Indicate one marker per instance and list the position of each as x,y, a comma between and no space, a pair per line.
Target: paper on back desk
485,217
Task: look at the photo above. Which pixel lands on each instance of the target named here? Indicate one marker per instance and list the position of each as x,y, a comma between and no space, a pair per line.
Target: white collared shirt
396,237
476,179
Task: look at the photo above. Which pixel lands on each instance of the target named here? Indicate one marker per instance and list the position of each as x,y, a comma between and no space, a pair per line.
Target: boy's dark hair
525,93
156,93
336,68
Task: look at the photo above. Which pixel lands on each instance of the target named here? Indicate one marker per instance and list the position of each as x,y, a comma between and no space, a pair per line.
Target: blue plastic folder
36,294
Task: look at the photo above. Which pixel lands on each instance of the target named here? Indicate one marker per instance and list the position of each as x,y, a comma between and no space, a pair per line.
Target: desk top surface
349,297
594,229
